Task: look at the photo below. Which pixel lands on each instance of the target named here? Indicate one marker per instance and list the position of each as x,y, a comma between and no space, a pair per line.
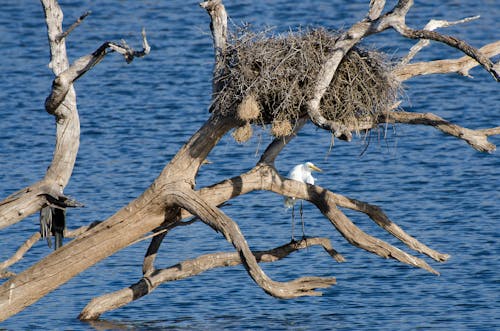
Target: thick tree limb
189,268
126,226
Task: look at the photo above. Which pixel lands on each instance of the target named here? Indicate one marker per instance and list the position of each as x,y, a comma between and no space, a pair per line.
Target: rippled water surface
135,117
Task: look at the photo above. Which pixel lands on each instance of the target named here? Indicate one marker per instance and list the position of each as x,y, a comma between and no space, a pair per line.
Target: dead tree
172,197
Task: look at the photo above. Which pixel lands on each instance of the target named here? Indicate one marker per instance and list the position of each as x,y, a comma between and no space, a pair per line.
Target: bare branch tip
145,44
64,34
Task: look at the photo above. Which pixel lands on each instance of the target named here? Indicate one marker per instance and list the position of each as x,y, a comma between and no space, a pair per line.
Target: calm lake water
135,117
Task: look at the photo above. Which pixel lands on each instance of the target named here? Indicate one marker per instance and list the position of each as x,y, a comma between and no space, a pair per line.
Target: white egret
301,173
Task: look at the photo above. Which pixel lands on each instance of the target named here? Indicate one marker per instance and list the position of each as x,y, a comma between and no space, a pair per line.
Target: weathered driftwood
172,197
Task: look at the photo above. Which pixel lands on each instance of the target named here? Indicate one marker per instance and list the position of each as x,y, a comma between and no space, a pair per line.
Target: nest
268,80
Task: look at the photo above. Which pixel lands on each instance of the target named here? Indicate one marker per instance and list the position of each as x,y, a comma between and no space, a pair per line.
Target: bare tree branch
461,66
277,145
65,80
216,219
189,268
62,104
432,25
72,27
171,197
218,27
483,60
478,139
265,177
18,255
381,219
31,199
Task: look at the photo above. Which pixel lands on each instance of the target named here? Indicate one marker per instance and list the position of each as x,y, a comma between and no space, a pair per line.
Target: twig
72,27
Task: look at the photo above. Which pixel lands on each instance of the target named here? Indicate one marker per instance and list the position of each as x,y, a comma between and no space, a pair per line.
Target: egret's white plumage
301,173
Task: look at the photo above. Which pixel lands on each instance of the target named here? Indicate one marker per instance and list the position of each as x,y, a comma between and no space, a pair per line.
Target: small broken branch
73,26
381,219
99,305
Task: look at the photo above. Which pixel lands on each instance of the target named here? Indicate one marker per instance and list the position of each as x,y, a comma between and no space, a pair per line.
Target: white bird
301,173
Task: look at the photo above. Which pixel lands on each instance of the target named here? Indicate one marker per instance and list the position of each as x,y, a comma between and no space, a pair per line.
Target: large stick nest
268,80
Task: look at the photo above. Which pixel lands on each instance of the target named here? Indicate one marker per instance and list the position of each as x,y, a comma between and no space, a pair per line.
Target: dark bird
53,223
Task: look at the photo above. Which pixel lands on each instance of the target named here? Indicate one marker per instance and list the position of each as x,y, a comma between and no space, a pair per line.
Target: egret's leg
302,220
293,222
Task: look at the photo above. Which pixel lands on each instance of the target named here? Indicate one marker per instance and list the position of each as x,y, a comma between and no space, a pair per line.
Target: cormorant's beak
313,167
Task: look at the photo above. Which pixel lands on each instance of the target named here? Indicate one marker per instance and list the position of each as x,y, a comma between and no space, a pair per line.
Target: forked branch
65,80
265,177
216,219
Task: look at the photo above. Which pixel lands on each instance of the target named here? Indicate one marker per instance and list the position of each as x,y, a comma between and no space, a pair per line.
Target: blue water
135,117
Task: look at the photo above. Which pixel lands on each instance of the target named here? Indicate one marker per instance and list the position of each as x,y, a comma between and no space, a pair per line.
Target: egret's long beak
313,167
